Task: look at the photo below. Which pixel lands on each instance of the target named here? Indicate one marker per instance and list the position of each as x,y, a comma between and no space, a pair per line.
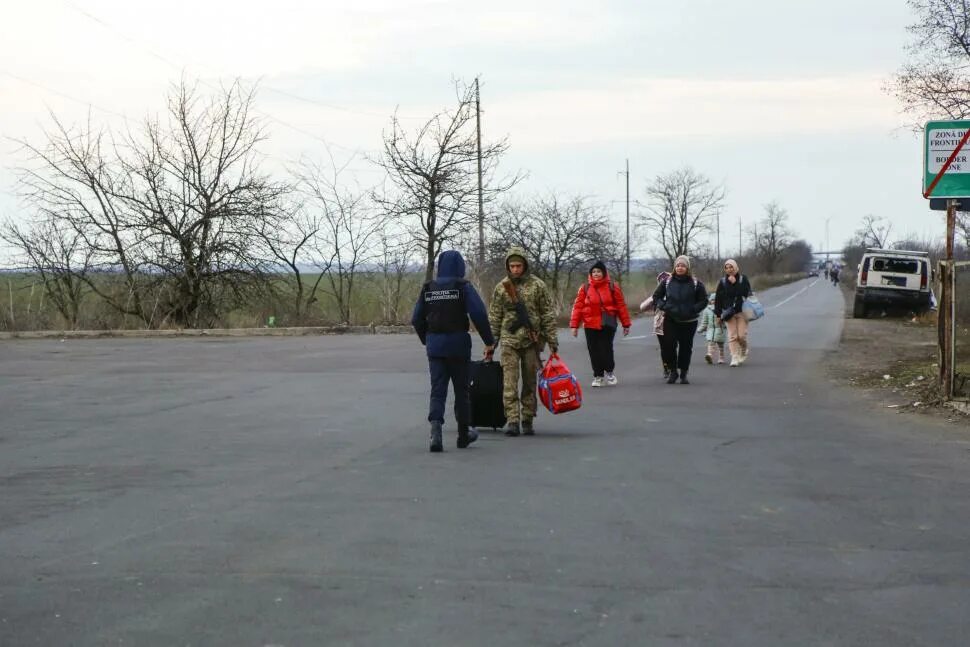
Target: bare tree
433,172
289,240
963,228
559,234
797,257
349,230
603,243
171,206
680,207
875,231
773,236
61,259
74,182
935,80
395,261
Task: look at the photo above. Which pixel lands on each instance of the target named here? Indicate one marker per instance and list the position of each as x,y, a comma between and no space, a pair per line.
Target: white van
892,278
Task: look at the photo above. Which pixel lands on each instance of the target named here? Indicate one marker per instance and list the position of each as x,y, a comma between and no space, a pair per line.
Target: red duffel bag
559,390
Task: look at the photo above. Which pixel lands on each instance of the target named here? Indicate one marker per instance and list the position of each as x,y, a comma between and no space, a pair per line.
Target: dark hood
451,265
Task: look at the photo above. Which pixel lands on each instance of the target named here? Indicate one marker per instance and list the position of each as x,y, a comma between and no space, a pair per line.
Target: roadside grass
774,280
24,305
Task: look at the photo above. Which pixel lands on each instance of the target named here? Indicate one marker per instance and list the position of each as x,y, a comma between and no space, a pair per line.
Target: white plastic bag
752,308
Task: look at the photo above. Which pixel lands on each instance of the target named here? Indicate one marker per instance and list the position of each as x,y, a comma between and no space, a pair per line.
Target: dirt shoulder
895,360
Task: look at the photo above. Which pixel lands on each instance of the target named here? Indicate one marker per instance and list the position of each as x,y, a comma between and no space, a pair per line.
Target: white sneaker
597,381
611,379
735,362
743,358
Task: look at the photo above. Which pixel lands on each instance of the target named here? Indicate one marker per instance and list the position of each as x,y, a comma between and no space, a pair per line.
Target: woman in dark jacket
729,298
682,298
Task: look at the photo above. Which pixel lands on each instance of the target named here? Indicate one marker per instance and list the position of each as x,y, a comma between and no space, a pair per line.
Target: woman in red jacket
599,306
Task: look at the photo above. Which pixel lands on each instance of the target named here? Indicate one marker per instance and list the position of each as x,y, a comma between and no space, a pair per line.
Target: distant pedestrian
658,325
600,307
731,292
715,332
835,274
440,318
522,317
682,298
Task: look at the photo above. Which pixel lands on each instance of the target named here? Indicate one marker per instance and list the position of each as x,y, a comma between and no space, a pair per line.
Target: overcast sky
776,100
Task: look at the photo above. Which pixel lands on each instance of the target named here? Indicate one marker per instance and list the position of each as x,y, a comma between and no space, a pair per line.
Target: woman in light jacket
599,307
731,292
682,298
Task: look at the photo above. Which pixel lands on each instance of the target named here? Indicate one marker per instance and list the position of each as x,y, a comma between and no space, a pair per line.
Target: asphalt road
279,491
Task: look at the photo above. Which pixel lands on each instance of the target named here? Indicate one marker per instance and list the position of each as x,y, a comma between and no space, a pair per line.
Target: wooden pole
627,277
946,313
481,202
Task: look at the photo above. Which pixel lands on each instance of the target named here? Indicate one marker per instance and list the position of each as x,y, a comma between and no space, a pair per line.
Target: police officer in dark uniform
441,320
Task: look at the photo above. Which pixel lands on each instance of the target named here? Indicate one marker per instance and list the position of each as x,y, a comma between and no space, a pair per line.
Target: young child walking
715,332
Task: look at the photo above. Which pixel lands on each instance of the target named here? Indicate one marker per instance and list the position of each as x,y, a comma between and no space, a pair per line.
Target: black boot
527,428
512,429
672,377
466,436
683,377
436,444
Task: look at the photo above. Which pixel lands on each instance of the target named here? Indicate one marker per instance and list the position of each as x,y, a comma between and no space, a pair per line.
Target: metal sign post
947,313
946,174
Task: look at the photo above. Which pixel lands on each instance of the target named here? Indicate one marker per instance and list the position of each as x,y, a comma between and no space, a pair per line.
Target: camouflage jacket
534,294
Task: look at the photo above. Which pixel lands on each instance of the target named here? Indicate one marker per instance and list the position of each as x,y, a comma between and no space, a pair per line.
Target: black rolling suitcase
485,391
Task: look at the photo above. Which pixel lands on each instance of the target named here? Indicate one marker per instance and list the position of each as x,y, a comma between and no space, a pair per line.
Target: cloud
663,108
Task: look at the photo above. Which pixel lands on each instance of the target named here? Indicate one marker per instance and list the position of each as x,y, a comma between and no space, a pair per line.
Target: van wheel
859,309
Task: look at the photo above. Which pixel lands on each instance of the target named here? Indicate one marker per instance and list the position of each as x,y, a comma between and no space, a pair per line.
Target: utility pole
627,174
628,218
740,244
717,215
481,202
827,237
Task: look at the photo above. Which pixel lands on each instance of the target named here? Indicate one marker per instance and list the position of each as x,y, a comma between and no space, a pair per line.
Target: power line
180,68
64,95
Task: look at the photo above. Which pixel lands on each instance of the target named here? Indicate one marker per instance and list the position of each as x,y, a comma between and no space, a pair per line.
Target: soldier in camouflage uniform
521,344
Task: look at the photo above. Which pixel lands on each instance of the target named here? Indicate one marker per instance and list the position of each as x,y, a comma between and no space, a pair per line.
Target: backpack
612,289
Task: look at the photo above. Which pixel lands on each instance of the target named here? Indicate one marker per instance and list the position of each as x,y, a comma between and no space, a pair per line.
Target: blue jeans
455,370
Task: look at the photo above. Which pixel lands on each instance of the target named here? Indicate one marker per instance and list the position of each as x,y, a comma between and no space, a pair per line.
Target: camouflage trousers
519,363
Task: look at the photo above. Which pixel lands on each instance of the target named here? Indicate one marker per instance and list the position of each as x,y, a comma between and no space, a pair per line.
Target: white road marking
631,338
781,303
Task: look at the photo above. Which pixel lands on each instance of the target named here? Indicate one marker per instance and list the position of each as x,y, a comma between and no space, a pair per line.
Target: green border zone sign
946,159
